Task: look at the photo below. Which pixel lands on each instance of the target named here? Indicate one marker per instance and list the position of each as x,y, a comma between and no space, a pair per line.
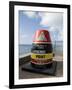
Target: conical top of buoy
42,36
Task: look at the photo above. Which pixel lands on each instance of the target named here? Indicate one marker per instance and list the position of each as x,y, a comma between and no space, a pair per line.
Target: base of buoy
48,70
41,66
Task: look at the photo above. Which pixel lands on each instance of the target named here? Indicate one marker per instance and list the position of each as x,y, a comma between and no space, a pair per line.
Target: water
24,49
57,48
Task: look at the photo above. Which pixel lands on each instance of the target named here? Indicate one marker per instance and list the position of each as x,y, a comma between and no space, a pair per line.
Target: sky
30,21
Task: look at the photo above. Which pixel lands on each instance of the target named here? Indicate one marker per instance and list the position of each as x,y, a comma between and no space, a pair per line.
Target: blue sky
30,21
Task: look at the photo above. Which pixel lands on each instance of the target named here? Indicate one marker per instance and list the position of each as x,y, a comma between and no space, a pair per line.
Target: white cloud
52,29
54,22
61,35
30,14
51,19
56,34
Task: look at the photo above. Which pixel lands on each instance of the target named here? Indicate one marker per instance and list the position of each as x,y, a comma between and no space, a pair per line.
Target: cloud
60,35
47,18
56,34
51,19
30,14
54,22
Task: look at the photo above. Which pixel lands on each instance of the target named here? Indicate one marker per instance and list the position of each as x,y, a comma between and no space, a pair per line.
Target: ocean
57,48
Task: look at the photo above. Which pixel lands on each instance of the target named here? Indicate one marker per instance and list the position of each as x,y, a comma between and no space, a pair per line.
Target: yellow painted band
43,56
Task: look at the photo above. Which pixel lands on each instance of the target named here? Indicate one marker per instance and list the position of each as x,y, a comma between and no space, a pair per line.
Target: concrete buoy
41,52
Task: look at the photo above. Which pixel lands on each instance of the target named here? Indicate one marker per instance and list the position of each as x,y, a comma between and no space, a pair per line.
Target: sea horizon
26,48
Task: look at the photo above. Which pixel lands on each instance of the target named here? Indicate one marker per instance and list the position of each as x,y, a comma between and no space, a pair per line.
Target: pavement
28,75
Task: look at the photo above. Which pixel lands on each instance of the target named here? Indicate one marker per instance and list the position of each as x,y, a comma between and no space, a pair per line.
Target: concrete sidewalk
29,75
